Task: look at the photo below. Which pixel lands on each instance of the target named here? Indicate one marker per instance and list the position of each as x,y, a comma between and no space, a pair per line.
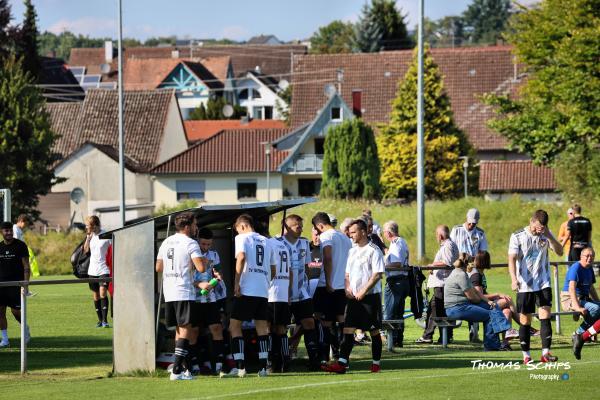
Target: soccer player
364,269
301,301
178,256
14,266
97,248
529,269
254,267
330,298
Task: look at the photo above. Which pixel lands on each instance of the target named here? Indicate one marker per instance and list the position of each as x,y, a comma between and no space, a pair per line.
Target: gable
182,79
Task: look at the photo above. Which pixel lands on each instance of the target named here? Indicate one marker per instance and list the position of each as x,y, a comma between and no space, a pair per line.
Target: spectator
462,301
579,231
97,248
376,227
373,237
19,233
345,226
563,234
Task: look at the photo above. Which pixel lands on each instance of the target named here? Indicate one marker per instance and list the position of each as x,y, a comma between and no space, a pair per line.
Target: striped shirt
533,264
470,242
300,253
448,253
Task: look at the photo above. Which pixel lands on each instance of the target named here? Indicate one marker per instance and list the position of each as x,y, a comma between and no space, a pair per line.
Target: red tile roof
515,176
202,130
226,152
468,73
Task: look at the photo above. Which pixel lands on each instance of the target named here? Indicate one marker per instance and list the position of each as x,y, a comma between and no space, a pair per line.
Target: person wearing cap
563,234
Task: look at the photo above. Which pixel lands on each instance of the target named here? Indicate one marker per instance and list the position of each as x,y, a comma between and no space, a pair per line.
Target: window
190,190
268,112
255,94
257,112
244,94
246,189
309,187
336,114
319,146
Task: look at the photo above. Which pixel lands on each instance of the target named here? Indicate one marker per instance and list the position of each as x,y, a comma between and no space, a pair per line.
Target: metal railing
23,284
307,163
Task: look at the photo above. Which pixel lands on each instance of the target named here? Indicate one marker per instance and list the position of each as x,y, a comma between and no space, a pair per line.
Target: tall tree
350,163
486,20
27,43
26,139
6,42
444,141
333,38
381,27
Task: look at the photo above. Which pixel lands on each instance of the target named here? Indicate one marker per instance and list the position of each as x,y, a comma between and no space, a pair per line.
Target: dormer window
244,94
255,94
336,113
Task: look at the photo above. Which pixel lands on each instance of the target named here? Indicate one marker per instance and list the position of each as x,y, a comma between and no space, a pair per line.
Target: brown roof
468,73
95,120
201,130
218,66
147,74
515,176
228,151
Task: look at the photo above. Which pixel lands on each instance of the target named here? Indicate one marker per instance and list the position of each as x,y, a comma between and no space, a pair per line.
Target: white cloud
95,27
235,32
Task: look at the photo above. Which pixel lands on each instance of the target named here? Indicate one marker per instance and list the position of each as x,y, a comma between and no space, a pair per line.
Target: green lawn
70,358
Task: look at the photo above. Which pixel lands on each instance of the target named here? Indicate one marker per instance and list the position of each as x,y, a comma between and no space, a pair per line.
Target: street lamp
465,170
268,167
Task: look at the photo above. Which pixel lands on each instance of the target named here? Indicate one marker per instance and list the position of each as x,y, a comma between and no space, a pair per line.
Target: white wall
268,98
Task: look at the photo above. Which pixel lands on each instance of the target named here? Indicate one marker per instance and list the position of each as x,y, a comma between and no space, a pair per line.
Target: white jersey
533,265
256,275
279,291
206,276
18,233
98,249
300,257
470,242
363,263
397,253
340,245
448,253
176,253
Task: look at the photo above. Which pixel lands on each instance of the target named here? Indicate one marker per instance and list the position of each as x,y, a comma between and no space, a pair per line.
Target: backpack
80,261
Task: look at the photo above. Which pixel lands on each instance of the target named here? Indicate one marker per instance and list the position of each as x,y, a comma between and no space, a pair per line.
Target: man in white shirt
254,267
469,238
98,268
364,269
397,284
178,257
529,269
330,299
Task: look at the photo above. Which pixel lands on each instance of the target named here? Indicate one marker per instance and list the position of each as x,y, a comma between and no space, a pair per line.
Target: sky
200,19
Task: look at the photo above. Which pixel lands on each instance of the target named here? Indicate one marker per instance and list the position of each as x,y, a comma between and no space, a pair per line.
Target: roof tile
515,176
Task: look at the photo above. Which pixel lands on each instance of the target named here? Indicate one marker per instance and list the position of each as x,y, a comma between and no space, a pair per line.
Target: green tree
350,163
333,38
444,141
214,110
25,139
381,27
198,113
27,43
487,20
286,95
6,31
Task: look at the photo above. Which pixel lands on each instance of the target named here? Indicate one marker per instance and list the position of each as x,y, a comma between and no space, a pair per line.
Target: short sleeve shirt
456,285
533,264
11,260
580,227
206,276
98,249
583,276
176,253
397,253
470,242
448,253
280,284
363,262
340,246
300,258
256,275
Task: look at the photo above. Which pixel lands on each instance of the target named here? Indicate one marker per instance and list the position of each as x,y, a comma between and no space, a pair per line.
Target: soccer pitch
70,358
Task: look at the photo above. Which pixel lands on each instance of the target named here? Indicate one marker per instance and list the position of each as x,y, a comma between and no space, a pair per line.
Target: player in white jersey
469,237
279,307
254,267
330,298
178,256
97,249
529,268
301,306
364,269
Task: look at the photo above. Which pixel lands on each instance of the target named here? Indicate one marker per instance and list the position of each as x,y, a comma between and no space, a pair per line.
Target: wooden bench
444,323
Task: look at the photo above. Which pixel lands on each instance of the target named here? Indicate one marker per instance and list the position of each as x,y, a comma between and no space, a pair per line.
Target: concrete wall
549,197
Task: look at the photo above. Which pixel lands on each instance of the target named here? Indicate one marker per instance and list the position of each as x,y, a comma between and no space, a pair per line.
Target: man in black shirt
14,266
579,231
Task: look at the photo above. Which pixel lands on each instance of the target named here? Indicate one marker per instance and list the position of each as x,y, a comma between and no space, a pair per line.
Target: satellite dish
283,84
330,90
77,194
227,110
105,68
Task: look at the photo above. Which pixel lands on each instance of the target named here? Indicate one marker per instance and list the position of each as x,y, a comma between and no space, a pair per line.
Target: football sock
546,333
203,354
218,352
98,310
334,339
587,335
275,343
376,347
324,335
311,344
346,348
181,352
525,338
238,352
263,351
104,308
227,343
285,347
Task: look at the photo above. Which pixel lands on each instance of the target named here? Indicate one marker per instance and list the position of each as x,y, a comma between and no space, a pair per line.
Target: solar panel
91,79
77,70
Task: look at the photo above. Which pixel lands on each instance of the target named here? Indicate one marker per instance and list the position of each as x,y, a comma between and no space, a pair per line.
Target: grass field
69,358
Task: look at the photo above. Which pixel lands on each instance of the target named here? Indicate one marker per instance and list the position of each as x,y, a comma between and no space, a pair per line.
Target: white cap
333,219
473,216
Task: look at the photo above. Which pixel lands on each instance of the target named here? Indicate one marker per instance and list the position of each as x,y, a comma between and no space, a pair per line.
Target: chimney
175,54
108,51
257,69
357,102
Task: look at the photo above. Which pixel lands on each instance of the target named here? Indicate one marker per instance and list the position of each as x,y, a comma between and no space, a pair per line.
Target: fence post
23,331
556,298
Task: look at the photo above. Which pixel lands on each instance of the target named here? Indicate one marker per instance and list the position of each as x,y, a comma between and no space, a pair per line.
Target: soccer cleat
526,360
511,333
505,346
375,368
335,368
170,367
577,346
99,325
187,375
263,373
534,332
422,340
241,373
105,325
184,376
4,343
233,373
548,358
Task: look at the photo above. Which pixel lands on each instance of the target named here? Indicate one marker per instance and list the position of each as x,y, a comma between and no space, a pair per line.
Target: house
202,130
264,40
88,150
259,94
57,83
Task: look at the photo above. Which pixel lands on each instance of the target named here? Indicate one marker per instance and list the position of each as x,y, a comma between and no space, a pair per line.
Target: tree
350,163
286,95
26,139
333,38
487,20
27,43
198,113
381,27
444,141
6,31
214,110
558,106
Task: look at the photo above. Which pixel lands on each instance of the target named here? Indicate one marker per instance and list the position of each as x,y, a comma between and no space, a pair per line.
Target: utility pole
420,143
121,128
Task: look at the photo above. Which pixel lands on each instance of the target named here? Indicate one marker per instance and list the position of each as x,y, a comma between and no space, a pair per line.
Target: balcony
306,163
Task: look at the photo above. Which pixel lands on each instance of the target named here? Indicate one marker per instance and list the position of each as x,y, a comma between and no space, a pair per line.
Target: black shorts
330,305
95,286
366,314
222,305
207,314
10,297
527,301
302,310
180,313
279,313
247,308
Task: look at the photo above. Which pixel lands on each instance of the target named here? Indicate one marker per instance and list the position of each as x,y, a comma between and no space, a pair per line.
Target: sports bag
80,261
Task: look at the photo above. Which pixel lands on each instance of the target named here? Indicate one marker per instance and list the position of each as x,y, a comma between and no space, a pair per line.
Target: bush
53,251
165,209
